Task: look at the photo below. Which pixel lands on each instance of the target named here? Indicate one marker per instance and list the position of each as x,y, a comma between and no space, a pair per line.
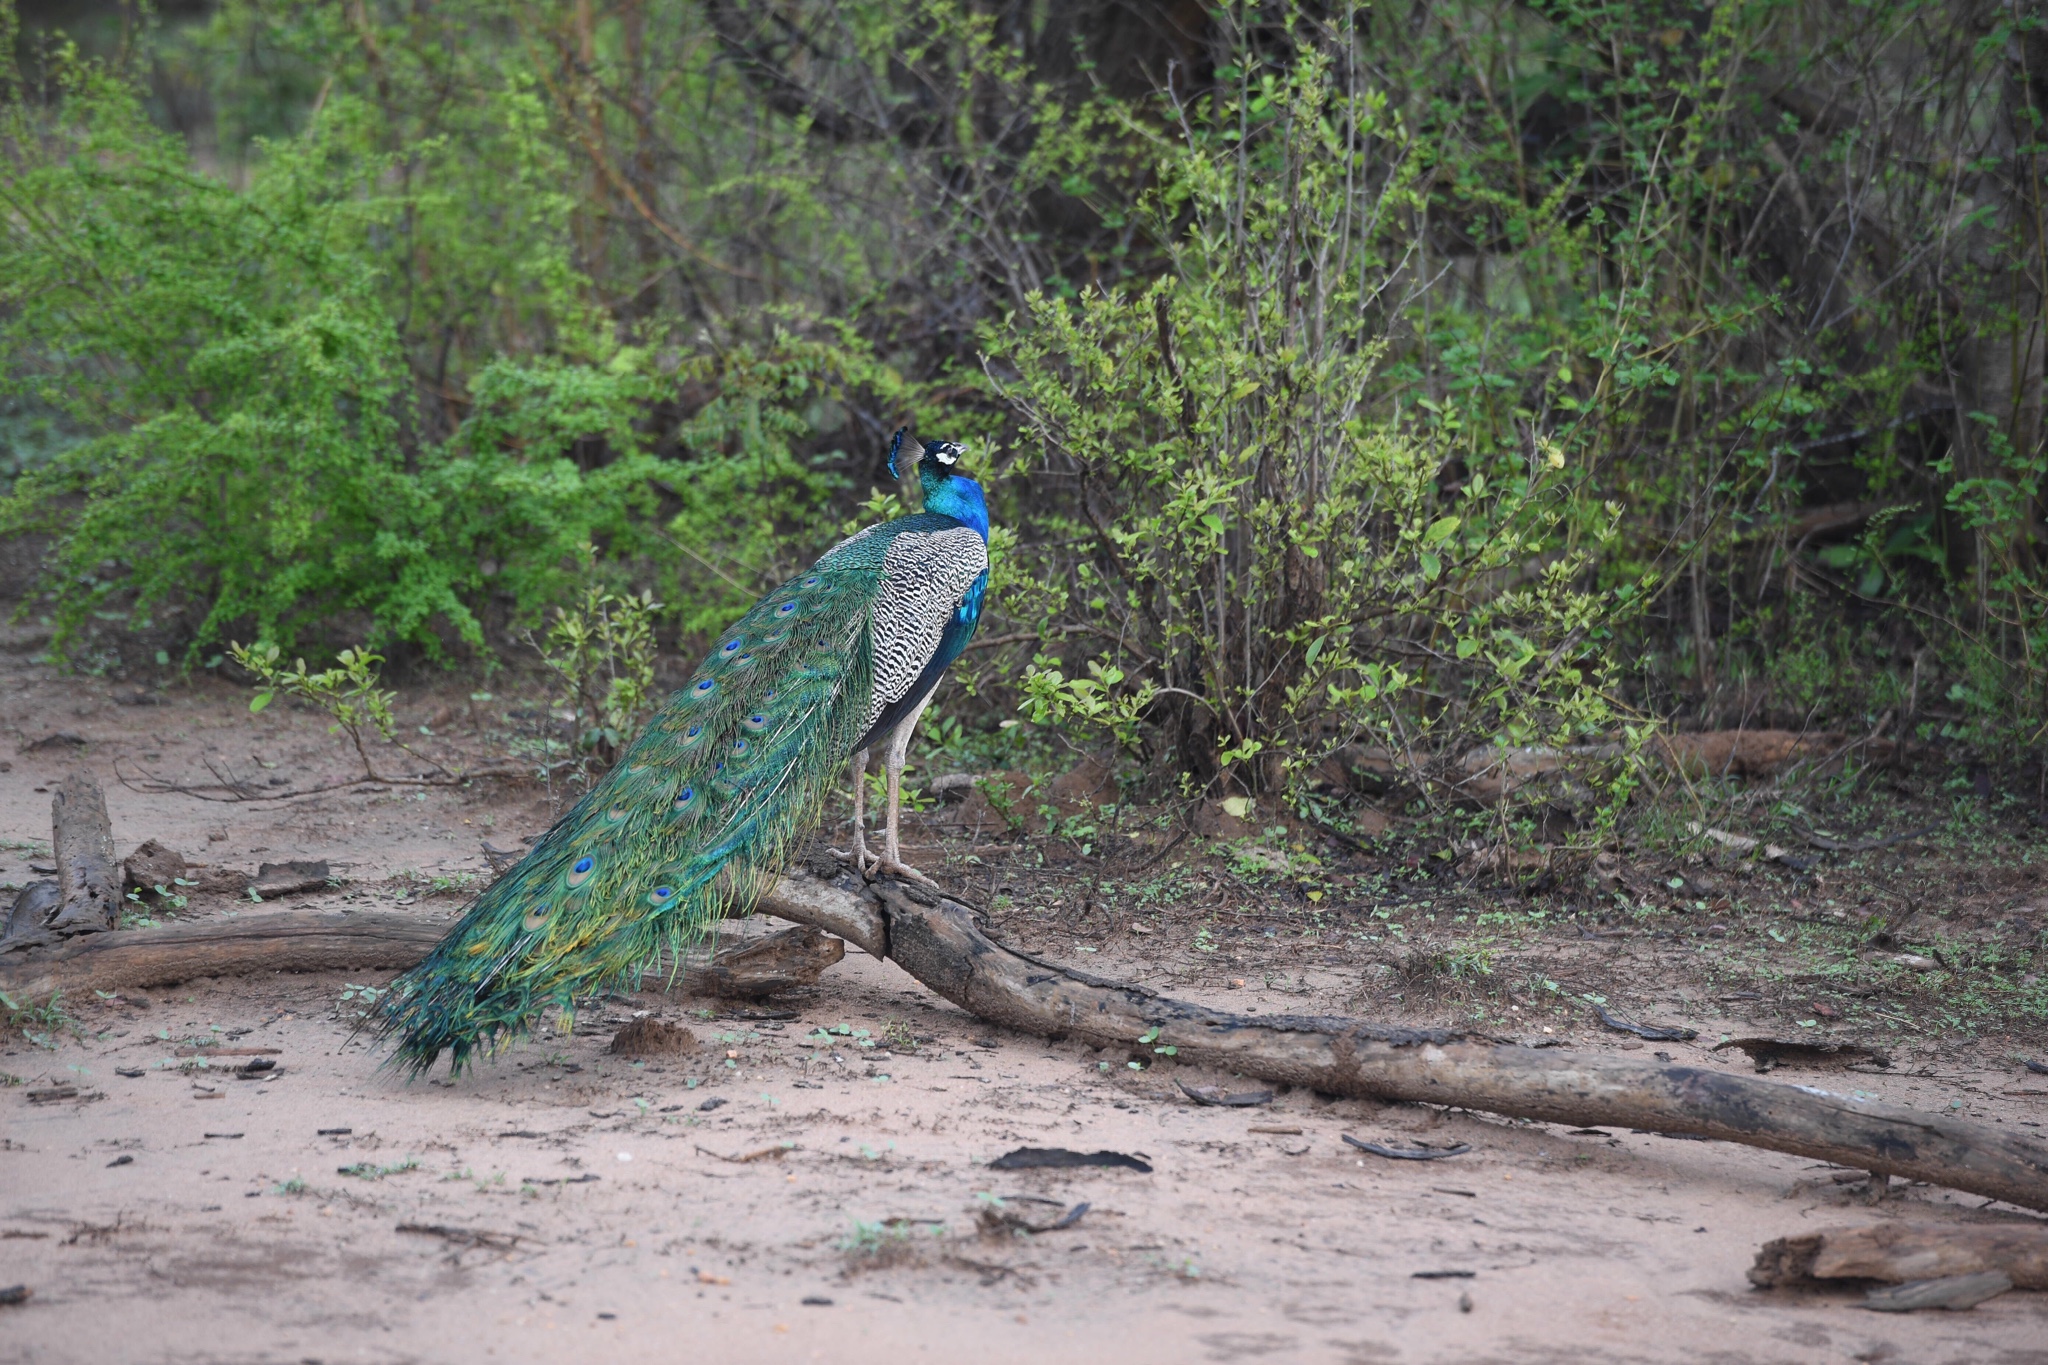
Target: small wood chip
775,1153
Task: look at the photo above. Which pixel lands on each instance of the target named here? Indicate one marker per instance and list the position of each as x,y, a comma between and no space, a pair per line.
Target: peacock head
946,490
935,458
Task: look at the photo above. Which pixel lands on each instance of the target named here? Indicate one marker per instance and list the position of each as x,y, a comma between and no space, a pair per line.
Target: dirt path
585,1207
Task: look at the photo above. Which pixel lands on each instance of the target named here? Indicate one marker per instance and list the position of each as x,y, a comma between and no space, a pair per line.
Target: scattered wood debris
1655,1033
1900,1252
1421,1151
1215,1094
1768,1053
774,1153
465,1237
1063,1158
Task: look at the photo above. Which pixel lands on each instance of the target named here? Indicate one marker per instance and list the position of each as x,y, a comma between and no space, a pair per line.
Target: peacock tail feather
697,814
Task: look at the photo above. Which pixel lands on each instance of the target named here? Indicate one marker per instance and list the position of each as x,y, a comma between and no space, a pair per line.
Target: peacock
702,811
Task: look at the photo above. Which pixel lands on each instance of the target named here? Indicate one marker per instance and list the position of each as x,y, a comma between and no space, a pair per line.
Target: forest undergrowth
1357,390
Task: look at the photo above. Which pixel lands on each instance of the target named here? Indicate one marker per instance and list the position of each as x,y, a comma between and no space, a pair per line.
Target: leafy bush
1273,565
255,459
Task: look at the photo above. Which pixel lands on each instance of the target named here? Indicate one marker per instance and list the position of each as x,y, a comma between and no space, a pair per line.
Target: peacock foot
890,867
863,861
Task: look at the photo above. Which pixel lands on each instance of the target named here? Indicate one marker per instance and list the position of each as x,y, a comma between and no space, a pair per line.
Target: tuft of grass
38,1023
883,1245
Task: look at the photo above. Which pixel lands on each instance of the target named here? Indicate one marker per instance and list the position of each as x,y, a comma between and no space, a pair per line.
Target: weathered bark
942,947
767,965
33,904
88,877
1900,1252
312,941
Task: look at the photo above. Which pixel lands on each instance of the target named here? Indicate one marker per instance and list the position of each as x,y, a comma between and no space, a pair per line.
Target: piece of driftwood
314,941
1901,1252
939,943
1769,1053
88,878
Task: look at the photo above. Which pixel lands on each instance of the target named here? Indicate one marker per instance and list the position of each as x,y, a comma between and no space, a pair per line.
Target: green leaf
259,701
1439,530
1432,567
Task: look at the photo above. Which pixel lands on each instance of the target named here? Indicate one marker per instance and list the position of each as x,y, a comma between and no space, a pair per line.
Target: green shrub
1271,564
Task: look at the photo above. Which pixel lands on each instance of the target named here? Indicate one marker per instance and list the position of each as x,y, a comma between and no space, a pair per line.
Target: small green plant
296,1185
370,1170
358,1003
348,692
603,651
878,1246
439,883
38,1023
897,1037
165,895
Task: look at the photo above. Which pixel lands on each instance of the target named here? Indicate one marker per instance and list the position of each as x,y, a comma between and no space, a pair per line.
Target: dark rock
152,865
282,879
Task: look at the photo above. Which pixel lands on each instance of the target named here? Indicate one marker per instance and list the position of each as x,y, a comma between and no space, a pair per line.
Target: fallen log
939,943
313,941
1902,1252
88,877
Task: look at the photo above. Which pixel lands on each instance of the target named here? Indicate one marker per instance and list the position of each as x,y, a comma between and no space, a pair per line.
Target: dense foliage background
1391,377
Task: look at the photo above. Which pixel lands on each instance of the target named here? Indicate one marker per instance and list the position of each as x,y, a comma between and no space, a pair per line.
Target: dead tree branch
316,941
941,945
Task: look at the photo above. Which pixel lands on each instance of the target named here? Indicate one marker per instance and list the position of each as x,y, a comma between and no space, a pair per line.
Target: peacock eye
739,746
744,659
580,873
812,581
660,894
685,797
693,732
785,609
536,916
704,687
730,647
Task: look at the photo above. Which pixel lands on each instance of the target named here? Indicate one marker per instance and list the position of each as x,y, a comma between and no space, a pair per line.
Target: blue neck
955,496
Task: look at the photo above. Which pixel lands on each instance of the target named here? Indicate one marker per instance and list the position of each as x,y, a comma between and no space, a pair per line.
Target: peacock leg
863,861
899,747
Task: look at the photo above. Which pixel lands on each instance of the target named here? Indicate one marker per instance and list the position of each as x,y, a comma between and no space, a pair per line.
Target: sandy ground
564,1203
